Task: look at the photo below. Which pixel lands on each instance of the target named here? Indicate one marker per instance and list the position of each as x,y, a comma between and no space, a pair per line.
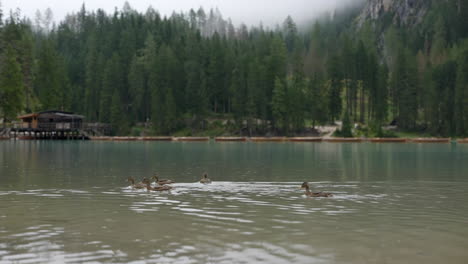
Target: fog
250,12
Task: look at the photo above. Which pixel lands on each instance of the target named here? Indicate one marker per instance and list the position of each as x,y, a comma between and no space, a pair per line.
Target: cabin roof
54,113
28,116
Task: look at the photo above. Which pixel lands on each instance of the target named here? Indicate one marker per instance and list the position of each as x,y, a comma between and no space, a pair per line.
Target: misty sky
270,12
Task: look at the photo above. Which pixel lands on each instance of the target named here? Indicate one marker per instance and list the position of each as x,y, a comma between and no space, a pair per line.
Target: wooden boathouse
50,125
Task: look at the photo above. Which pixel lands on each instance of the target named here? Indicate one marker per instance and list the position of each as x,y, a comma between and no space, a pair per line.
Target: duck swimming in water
205,179
305,185
134,185
161,182
157,188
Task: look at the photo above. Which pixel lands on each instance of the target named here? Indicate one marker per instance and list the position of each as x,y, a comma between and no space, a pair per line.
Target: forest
195,72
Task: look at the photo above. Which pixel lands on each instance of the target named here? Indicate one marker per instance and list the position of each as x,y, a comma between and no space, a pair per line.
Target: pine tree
239,90
404,81
363,76
92,88
157,97
276,64
349,72
11,85
50,79
346,130
334,92
111,90
215,74
117,119
461,94
317,104
171,112
27,60
193,97
279,105
296,101
137,80
439,41
290,32
381,97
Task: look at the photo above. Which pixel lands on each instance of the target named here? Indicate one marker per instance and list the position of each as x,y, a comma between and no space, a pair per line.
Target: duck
134,185
161,182
205,179
305,185
157,188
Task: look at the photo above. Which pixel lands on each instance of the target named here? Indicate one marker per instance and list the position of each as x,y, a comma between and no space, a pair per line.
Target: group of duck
161,184
165,185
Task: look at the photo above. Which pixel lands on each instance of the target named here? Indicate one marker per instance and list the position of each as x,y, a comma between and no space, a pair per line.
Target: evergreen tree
279,105
92,80
137,80
50,80
290,32
275,63
238,89
215,74
171,111
317,104
461,94
404,81
193,96
334,92
11,85
296,101
346,130
381,97
117,119
439,43
111,90
362,76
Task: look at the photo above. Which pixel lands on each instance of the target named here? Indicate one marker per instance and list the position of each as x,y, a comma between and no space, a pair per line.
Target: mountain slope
406,12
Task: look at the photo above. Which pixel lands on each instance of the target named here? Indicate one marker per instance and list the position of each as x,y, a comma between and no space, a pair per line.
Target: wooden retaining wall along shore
230,139
431,140
463,141
388,140
267,139
131,138
305,139
343,140
194,139
157,138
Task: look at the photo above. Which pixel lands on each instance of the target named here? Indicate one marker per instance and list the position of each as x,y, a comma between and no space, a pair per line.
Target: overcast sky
270,12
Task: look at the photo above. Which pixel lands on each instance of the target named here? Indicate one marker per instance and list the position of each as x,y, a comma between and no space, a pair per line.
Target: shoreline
270,139
285,139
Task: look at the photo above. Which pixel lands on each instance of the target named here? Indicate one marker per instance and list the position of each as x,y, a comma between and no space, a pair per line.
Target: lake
68,202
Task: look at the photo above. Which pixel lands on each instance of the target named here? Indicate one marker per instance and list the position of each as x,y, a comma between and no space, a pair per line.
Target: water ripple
229,222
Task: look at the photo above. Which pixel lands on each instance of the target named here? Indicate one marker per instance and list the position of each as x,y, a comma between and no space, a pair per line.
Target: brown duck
205,179
134,185
157,188
161,182
305,185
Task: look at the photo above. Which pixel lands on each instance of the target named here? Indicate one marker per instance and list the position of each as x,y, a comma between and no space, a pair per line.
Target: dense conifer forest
180,73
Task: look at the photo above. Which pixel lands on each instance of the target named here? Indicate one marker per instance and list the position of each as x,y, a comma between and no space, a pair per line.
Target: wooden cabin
51,121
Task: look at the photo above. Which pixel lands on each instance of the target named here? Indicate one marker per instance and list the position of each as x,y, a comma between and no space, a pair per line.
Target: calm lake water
68,202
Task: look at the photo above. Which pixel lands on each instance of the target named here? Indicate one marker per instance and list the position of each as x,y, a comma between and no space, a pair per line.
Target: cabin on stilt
50,125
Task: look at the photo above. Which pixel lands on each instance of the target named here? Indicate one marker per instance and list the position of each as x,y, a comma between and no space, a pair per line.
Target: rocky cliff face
405,12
